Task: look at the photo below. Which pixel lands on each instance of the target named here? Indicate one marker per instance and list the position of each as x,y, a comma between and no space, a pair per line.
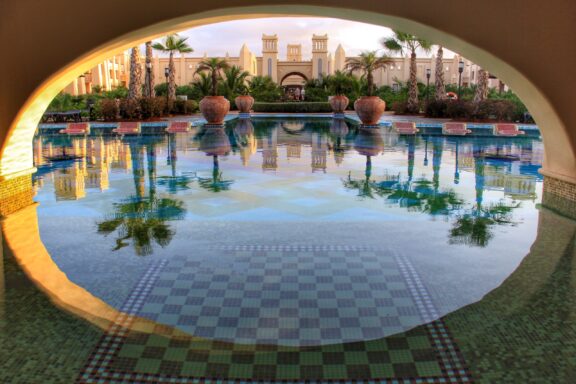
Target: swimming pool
292,249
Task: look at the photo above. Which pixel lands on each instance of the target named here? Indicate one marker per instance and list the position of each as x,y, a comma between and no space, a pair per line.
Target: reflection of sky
291,204
228,37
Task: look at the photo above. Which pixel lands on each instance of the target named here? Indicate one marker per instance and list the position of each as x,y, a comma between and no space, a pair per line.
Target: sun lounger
455,129
76,129
405,127
127,128
509,130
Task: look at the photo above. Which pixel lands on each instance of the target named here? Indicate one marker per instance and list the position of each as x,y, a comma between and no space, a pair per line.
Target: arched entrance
26,90
293,84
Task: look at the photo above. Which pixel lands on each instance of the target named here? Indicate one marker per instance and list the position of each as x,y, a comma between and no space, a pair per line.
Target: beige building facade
292,70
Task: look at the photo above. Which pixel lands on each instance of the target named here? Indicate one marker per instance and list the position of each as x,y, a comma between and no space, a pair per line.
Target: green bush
293,107
109,109
184,107
152,107
437,108
400,107
459,109
129,109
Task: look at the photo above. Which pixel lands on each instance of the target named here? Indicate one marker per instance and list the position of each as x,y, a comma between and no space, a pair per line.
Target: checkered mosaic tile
294,334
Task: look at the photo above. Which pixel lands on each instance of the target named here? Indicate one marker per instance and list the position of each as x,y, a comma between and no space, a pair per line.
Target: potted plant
369,108
214,108
244,101
235,84
338,84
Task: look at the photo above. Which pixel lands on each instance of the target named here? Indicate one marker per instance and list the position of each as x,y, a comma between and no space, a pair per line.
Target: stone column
559,196
15,192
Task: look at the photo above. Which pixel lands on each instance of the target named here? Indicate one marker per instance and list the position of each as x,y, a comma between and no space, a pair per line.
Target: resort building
291,71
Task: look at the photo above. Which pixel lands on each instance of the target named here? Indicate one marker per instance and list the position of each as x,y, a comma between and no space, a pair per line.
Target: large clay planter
214,109
369,109
369,141
244,103
339,103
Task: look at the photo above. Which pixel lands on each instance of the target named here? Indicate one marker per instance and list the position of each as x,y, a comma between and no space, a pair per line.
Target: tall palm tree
149,77
401,42
235,81
482,87
173,43
367,63
214,66
439,75
135,86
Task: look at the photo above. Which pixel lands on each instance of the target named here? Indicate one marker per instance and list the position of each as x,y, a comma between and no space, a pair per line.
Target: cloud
221,38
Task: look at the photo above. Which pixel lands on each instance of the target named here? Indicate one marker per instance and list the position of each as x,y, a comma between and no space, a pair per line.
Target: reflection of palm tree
368,143
173,182
214,142
473,227
142,219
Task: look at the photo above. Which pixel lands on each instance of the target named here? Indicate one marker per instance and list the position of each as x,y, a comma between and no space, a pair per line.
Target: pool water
293,249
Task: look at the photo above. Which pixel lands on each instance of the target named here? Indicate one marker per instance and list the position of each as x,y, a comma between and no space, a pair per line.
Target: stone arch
27,91
293,74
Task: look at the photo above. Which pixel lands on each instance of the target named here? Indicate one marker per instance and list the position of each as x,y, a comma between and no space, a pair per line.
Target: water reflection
449,181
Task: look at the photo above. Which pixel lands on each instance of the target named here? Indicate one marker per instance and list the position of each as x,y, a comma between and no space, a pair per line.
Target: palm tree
340,83
135,86
203,83
173,43
235,81
214,66
149,77
367,63
482,87
439,75
401,42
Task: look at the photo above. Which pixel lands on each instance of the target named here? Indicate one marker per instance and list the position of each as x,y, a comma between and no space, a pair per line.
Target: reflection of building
270,151
292,71
69,183
519,187
319,152
97,169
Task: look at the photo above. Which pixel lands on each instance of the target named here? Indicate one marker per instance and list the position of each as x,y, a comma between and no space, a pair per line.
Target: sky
217,39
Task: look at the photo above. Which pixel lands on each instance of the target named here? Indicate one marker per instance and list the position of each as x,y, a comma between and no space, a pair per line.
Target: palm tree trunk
149,79
370,80
482,86
214,82
135,86
413,105
439,74
172,78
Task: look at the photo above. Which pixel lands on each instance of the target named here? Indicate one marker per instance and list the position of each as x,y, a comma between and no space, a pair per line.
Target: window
270,67
320,68
396,87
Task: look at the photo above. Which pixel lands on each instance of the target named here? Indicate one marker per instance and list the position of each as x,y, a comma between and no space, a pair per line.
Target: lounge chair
507,129
405,127
178,126
127,128
455,129
76,129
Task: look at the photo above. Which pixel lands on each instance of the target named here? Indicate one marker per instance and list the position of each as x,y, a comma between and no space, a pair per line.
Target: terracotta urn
214,109
369,109
339,103
369,141
215,142
244,103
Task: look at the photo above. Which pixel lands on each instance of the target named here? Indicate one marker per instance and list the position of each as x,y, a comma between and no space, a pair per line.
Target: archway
27,90
293,84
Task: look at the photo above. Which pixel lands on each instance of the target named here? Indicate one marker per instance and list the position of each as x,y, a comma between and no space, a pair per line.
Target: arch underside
89,46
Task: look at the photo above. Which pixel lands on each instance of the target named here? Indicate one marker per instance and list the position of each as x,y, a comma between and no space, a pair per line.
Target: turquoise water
297,234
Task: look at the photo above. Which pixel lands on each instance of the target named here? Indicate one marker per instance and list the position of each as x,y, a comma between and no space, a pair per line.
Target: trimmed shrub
294,107
437,108
459,109
109,109
129,109
184,107
400,107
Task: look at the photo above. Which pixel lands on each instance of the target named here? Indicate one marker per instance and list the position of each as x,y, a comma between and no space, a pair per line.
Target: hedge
294,107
